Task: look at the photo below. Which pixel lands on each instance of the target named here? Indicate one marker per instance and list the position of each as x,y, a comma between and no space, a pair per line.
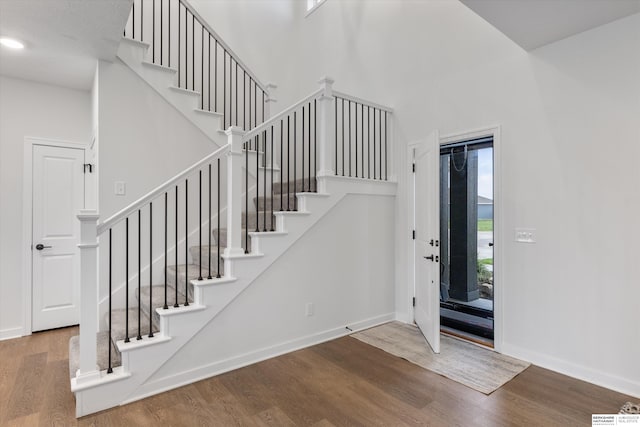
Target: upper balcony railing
180,38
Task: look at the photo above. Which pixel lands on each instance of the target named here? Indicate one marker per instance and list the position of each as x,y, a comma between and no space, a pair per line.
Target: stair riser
278,202
255,219
223,238
118,323
180,284
206,254
297,187
158,300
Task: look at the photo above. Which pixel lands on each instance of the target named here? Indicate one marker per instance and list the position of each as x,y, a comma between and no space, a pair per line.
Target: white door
427,247
58,195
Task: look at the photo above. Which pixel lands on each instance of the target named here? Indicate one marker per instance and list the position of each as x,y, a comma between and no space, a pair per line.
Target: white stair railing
181,39
320,132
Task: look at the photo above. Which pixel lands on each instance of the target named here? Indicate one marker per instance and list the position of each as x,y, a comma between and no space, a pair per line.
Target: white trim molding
219,367
312,6
9,333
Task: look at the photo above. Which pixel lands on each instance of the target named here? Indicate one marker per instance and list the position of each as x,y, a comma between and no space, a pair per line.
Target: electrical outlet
120,188
309,309
525,235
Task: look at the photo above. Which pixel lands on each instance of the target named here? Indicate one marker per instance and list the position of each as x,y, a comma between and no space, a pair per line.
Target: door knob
490,243
40,246
429,257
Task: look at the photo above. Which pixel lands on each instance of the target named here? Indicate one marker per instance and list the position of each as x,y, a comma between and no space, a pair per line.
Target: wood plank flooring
343,382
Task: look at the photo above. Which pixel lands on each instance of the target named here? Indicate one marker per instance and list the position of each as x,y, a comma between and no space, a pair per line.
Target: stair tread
102,352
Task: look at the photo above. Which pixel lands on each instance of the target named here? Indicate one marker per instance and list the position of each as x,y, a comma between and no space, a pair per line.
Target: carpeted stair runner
181,276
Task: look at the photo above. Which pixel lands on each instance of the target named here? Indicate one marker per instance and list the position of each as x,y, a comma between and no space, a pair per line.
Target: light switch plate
120,188
525,235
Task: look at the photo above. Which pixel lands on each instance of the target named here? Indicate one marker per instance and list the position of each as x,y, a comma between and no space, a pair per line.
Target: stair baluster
110,369
126,281
175,250
272,228
257,175
200,224
150,270
166,227
186,241
209,221
218,238
139,337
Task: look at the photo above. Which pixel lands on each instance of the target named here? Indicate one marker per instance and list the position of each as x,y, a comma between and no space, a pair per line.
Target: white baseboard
6,334
621,385
404,318
222,366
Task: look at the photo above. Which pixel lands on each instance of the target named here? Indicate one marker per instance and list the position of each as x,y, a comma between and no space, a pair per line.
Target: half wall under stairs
325,255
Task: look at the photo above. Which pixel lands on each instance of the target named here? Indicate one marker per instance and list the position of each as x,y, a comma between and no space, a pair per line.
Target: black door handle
490,243
40,246
429,257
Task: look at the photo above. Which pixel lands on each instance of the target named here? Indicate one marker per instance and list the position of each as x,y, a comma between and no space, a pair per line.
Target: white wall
36,110
263,35
570,139
343,265
144,141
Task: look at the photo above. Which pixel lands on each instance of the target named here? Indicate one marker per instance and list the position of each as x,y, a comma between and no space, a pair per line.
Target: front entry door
58,196
427,250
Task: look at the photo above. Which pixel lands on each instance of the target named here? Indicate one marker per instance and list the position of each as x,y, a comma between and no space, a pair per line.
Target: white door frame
411,246
27,215
498,235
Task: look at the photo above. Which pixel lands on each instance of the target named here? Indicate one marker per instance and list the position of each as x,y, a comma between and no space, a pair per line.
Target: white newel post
234,193
88,245
270,99
326,128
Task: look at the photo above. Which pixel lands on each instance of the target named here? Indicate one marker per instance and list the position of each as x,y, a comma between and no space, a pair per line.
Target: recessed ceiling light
11,43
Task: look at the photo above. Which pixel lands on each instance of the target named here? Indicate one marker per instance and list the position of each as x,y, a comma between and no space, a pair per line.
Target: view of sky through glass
485,172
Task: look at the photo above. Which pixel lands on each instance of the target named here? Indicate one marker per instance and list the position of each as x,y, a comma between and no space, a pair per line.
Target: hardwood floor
341,382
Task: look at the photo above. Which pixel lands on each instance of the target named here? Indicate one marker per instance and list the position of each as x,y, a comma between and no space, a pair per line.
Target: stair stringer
163,80
142,359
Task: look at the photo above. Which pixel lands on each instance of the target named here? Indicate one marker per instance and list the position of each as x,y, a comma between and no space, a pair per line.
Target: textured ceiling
63,38
535,23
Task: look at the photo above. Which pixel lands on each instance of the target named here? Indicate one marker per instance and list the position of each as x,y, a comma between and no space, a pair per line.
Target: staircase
179,289
174,264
